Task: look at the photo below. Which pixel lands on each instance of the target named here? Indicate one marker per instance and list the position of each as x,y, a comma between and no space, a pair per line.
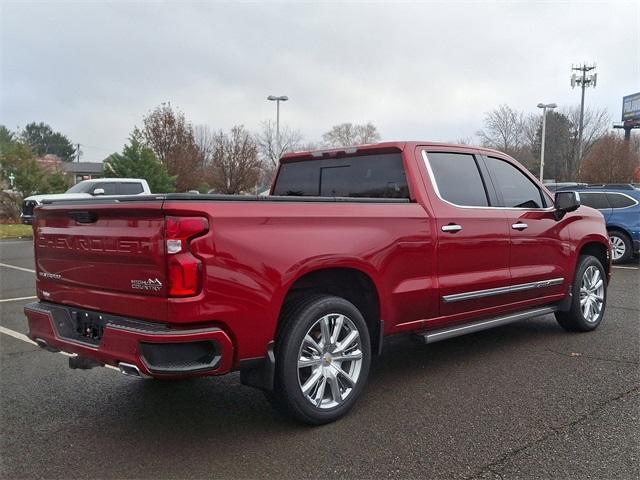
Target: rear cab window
364,176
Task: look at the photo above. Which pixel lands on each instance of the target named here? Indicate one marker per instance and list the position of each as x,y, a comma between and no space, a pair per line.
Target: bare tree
503,129
462,141
235,165
171,138
596,124
203,136
347,134
610,160
271,150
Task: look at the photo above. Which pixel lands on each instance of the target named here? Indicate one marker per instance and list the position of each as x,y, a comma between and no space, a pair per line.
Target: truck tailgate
105,257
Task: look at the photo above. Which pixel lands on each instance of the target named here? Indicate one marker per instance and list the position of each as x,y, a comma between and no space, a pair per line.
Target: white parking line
16,299
24,338
626,268
17,268
17,335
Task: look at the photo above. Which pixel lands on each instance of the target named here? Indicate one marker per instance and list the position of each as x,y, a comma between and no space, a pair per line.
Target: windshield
82,187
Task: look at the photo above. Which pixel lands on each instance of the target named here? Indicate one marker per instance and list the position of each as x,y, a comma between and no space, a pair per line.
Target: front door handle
519,226
451,228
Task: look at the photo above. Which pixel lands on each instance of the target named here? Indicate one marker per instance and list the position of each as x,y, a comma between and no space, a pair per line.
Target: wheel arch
348,282
599,250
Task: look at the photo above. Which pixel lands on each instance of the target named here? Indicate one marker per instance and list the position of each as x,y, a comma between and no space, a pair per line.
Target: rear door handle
451,228
519,226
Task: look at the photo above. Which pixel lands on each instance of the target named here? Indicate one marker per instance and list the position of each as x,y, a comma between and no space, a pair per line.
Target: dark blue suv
620,205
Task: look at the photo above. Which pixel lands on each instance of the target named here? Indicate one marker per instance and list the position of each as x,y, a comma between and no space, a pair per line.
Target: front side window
594,200
618,200
518,191
82,187
368,176
458,179
109,188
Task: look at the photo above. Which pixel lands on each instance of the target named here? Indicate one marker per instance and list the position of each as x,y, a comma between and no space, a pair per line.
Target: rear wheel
621,251
589,297
322,359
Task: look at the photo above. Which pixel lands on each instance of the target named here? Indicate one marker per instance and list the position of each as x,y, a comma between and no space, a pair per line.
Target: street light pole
544,107
278,99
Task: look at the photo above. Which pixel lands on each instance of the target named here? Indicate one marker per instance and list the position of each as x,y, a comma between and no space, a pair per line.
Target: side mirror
566,202
98,191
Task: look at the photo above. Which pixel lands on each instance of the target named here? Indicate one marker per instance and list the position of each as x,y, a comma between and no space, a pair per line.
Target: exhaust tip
129,370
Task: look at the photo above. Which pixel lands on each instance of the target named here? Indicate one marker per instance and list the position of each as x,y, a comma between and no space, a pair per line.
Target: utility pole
78,152
583,81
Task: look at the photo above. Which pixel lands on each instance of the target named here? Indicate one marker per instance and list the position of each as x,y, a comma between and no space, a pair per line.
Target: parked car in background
87,189
620,206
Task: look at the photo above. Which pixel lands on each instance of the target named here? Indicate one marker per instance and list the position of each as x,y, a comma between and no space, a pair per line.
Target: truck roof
106,179
370,148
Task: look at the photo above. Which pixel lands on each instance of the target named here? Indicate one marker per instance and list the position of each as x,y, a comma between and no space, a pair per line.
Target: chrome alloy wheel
618,248
330,361
591,294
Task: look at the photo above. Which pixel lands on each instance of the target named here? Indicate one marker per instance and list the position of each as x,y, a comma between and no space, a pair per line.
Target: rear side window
617,200
518,191
130,188
594,200
370,176
458,179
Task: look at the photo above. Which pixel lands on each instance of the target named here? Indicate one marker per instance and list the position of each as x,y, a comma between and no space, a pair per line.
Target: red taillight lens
183,268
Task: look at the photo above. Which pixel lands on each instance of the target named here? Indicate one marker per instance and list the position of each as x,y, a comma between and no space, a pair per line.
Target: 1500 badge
154,285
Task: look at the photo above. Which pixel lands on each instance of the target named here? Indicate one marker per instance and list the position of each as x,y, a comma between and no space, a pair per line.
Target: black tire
297,319
574,319
624,242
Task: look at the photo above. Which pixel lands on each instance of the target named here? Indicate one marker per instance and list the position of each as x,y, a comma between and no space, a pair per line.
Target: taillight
183,268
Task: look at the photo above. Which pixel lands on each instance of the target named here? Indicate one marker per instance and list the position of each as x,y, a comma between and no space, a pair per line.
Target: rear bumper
156,350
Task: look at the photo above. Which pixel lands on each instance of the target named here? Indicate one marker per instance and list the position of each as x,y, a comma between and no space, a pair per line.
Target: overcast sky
419,70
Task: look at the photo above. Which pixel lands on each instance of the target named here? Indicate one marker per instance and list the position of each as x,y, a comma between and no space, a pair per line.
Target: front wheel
323,355
589,297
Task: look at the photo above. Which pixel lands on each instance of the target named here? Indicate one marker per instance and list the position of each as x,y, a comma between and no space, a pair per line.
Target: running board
456,331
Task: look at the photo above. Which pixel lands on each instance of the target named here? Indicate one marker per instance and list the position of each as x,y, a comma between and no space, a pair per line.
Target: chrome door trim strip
490,292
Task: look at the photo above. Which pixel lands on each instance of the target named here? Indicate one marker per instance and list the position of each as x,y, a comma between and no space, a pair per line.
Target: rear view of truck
127,258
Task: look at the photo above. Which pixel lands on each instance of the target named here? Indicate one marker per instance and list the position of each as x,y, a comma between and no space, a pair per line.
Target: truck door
473,237
540,245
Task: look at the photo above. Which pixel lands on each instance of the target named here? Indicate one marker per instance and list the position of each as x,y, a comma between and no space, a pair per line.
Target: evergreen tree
43,140
139,161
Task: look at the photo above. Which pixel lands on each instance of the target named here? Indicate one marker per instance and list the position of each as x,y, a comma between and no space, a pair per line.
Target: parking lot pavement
526,400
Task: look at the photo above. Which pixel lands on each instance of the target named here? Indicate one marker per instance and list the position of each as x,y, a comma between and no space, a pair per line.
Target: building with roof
79,171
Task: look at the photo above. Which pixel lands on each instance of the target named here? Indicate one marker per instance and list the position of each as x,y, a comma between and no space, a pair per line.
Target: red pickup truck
298,289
